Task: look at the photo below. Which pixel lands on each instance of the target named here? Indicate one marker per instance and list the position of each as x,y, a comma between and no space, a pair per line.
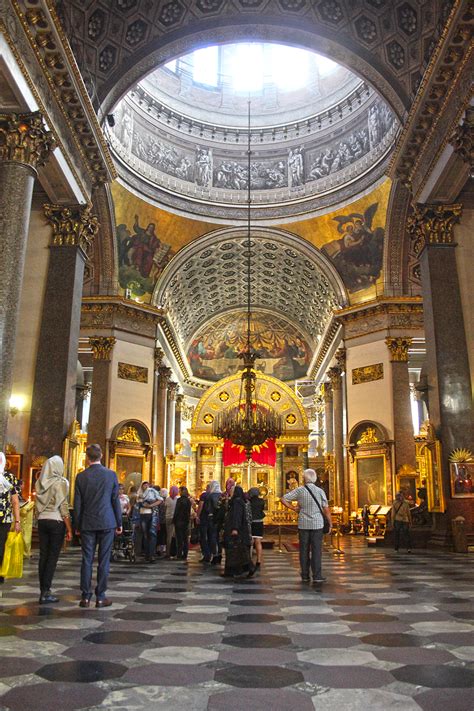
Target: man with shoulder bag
314,520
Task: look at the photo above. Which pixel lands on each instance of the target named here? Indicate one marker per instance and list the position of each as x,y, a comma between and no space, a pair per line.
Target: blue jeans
208,538
311,544
148,526
89,541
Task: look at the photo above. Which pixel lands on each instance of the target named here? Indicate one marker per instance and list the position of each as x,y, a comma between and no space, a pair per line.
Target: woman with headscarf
148,499
170,506
238,536
52,512
161,538
257,507
9,505
208,507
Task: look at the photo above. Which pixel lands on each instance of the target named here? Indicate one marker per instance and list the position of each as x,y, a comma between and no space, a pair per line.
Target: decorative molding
102,347
114,312
432,225
367,373
462,139
25,139
383,314
137,373
158,356
73,226
398,348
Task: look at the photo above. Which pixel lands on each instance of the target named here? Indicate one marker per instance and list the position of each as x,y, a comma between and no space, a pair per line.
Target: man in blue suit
97,517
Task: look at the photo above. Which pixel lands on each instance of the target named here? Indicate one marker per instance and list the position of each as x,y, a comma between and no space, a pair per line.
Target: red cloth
265,453
233,454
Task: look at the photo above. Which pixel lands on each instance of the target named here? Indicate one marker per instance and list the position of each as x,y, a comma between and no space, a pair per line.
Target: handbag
326,525
237,554
194,538
12,565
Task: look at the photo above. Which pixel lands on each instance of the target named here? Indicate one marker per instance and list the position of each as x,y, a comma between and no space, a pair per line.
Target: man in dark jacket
97,517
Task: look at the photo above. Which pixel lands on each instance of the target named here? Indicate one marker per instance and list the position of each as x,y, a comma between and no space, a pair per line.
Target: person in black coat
238,535
97,517
257,507
181,519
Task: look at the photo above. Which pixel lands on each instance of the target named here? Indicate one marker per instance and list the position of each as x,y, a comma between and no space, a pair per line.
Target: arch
358,428
143,431
249,25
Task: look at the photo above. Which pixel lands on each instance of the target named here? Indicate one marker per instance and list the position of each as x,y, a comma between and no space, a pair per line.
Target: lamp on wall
16,403
249,423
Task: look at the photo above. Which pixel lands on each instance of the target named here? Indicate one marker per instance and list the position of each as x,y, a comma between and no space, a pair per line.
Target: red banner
233,454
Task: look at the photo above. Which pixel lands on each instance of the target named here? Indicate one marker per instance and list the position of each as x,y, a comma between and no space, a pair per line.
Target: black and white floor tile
386,631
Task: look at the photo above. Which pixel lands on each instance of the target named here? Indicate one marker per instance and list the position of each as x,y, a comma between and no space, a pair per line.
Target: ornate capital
326,390
462,139
158,355
334,375
172,388
24,139
102,347
398,348
341,358
179,401
73,226
165,374
432,225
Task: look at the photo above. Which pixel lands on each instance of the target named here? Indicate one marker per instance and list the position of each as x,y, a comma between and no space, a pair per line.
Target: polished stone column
158,361
177,418
218,469
404,444
193,484
449,384
170,415
24,145
321,433
53,406
164,374
328,417
341,496
102,347
304,453
280,487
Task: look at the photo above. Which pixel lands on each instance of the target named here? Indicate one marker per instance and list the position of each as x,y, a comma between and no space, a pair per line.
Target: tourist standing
54,522
401,522
170,505
238,536
9,505
312,509
181,520
257,507
148,499
97,517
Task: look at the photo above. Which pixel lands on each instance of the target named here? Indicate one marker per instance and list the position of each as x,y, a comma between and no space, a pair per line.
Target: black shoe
257,564
251,572
319,580
47,598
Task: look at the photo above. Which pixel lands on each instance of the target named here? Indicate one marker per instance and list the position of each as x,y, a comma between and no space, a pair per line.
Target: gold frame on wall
429,464
129,455
364,457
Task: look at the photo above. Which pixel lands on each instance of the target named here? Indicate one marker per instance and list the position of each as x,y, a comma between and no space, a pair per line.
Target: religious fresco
351,238
214,351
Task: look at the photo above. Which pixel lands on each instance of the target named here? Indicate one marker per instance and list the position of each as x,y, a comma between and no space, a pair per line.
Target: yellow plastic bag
12,566
26,518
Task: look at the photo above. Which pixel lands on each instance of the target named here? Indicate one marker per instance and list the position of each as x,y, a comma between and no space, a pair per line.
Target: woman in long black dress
238,536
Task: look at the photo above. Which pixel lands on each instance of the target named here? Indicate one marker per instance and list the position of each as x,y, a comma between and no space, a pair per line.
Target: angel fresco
358,253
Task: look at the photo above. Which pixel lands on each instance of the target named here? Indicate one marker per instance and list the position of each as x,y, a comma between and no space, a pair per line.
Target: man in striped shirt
310,524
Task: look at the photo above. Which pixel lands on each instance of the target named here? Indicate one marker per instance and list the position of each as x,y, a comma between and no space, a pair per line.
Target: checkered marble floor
386,631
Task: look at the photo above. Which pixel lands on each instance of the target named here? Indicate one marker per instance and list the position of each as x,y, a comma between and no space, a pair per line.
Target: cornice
442,97
54,56
115,312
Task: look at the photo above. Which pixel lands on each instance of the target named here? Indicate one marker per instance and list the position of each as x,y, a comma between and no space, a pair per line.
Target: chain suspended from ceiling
249,423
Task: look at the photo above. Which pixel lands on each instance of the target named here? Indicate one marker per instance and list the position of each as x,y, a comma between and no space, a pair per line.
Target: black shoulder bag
326,526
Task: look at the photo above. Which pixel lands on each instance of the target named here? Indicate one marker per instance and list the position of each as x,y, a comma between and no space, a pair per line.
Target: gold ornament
291,419
369,436
275,396
432,224
224,396
24,139
102,347
461,455
73,226
398,348
129,434
208,418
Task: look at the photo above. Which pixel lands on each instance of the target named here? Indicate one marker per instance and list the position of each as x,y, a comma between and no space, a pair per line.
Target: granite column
177,419
102,353
164,375
341,496
170,416
402,419
24,145
53,406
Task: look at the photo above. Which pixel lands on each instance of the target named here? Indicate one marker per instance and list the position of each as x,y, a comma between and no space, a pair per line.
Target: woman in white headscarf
54,522
9,505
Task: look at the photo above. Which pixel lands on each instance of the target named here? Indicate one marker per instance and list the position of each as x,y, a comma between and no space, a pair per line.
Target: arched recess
129,449
370,468
272,25
271,392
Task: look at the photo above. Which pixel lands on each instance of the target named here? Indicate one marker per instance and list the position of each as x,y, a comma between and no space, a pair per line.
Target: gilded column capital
462,139
334,375
165,374
179,401
326,391
172,390
73,226
398,348
340,356
102,347
158,356
24,139
432,225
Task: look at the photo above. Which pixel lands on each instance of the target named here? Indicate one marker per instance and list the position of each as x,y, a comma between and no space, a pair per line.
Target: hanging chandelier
249,423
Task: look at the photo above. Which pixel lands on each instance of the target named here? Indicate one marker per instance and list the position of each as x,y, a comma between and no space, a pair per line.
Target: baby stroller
124,547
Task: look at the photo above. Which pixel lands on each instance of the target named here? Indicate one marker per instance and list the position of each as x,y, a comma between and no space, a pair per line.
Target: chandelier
249,423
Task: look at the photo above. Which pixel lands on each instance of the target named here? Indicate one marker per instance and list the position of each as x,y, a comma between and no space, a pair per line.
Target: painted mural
352,238
214,351
357,253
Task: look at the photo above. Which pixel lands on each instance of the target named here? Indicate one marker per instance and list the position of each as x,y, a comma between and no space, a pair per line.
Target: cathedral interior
180,179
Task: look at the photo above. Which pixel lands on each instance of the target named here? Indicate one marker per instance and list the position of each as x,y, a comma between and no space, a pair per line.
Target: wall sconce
16,403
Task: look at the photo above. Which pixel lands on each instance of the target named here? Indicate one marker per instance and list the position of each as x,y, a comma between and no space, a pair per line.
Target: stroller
124,545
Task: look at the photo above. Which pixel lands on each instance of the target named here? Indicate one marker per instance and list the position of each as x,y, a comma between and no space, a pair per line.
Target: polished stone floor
386,631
